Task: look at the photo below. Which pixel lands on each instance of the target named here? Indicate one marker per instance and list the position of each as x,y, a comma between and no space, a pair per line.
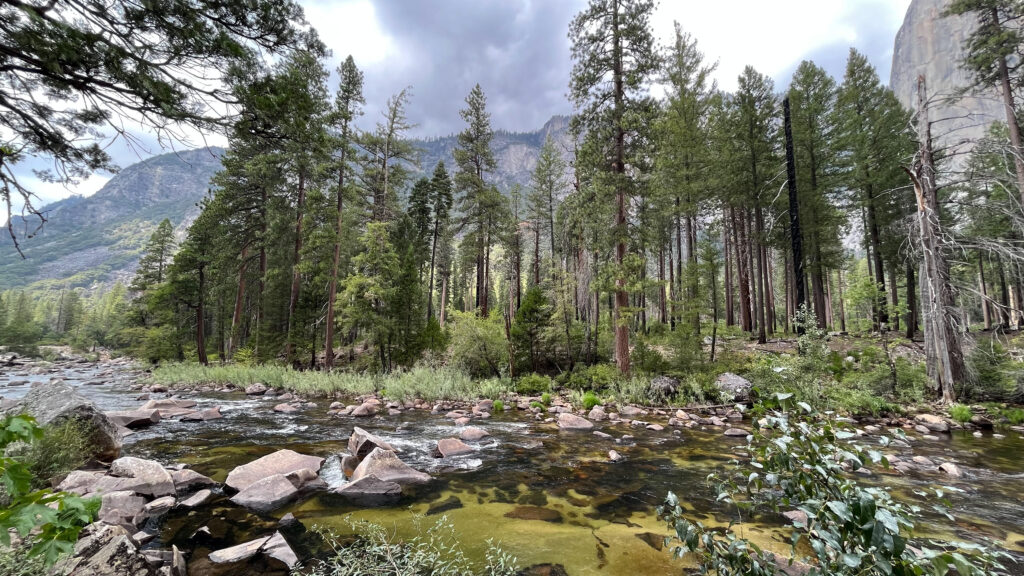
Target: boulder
273,551
285,408
473,434
122,509
58,403
280,462
80,482
277,490
737,388
981,422
106,550
932,422
361,443
238,553
535,513
153,479
736,432
186,480
614,456
385,465
597,413
255,389
950,469
370,491
451,447
662,389
134,418
159,507
631,411
568,421
168,404
203,415
198,499
364,410
277,548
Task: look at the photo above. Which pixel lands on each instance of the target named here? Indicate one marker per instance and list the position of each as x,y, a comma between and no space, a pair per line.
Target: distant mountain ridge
95,240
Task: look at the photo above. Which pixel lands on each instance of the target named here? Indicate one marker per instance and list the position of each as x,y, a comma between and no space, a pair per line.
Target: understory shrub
599,378
960,413
993,374
590,400
800,461
63,447
436,551
533,384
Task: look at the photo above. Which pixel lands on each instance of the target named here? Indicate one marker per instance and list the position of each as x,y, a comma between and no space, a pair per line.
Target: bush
478,344
17,561
545,399
533,384
1014,416
434,552
599,377
960,413
993,373
590,400
800,462
63,447
499,406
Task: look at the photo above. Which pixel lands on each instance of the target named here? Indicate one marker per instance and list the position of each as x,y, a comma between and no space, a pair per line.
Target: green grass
429,384
499,406
960,413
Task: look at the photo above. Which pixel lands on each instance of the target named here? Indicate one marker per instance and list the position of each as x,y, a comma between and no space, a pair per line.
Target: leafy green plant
436,551
599,377
545,399
62,448
533,384
590,400
53,519
800,461
499,406
960,413
1014,416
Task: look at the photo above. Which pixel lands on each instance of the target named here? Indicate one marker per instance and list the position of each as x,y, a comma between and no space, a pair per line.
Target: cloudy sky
518,51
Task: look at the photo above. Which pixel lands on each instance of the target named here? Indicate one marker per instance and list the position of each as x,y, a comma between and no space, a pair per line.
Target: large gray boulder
52,404
106,550
385,465
361,443
567,421
280,462
274,491
134,418
267,555
122,509
736,388
153,479
662,389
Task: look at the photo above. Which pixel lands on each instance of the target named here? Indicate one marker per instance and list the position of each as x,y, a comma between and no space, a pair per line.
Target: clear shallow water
598,517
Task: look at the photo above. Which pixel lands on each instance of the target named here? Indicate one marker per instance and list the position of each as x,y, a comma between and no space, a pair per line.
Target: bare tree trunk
236,318
730,318
332,291
894,294
944,355
986,314
201,319
828,301
911,302
1004,296
762,335
673,296
486,287
293,301
842,302
740,248
1011,119
662,304
443,312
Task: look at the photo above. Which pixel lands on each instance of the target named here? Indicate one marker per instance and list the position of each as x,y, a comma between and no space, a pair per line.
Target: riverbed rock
614,456
203,415
662,389
56,403
361,443
473,434
256,389
267,555
159,507
982,422
950,469
932,422
451,447
597,413
280,462
134,418
122,508
736,432
631,411
364,410
106,550
370,491
267,493
186,480
80,482
535,513
154,480
285,408
198,499
385,465
737,388
568,421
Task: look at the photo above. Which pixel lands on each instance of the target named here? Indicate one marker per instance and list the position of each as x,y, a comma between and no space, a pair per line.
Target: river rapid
544,494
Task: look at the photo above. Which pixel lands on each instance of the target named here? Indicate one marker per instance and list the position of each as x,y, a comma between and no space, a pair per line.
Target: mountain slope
98,239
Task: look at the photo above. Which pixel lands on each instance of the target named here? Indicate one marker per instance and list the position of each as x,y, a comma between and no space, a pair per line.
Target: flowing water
547,496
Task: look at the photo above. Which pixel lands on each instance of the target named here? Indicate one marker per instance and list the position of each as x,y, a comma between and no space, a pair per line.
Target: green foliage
63,447
533,384
545,399
960,413
499,406
799,461
436,551
590,400
995,376
530,321
18,561
53,519
478,345
1014,416
599,378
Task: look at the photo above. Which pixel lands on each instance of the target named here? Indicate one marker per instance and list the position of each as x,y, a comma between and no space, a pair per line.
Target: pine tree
474,160
347,107
612,40
155,259
441,200
547,184
387,153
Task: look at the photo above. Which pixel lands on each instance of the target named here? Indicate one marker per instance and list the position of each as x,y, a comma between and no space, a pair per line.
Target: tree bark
236,317
740,248
762,336
911,302
730,317
293,301
1010,107
986,313
795,233
201,319
332,291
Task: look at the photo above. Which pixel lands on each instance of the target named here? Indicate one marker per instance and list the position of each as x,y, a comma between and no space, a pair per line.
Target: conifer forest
702,322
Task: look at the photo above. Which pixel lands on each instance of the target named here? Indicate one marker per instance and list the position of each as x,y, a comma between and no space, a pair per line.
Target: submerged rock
280,462
385,465
450,503
370,491
534,513
185,480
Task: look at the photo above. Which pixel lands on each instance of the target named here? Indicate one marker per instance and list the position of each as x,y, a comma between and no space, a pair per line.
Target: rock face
385,465
54,403
932,45
361,443
371,491
105,550
280,462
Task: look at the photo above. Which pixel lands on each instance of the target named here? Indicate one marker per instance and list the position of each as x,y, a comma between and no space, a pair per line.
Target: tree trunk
201,319
1004,294
911,302
293,301
663,304
236,317
986,314
730,318
621,295
876,243
842,301
828,302
740,248
762,336
944,355
485,298
895,295
1010,108
332,291
442,313
795,233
